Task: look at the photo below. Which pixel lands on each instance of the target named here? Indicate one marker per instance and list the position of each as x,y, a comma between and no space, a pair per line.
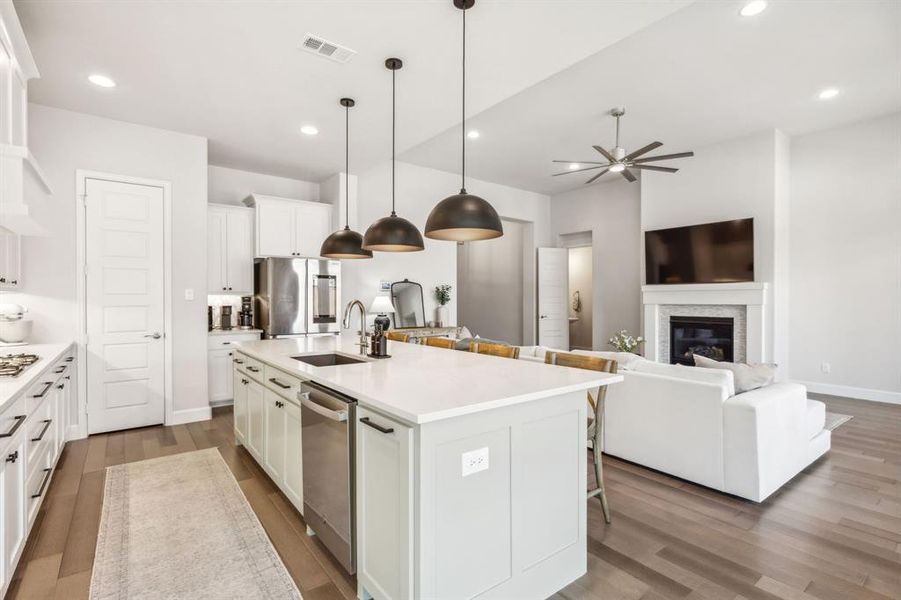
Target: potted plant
624,342
442,296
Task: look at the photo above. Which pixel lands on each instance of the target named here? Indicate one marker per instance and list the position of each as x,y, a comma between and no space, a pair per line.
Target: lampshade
464,218
381,304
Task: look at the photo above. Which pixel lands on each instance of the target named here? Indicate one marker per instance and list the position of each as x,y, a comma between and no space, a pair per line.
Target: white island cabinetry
470,470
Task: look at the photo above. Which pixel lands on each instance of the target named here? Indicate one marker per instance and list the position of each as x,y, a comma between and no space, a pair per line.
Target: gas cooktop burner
12,365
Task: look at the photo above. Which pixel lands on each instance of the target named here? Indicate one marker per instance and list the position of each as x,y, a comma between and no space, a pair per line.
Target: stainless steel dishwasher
327,436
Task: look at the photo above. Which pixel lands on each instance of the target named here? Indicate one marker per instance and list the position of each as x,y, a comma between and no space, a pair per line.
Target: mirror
409,307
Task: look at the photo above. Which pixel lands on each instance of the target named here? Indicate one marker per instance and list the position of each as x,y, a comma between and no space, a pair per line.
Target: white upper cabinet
229,249
20,175
10,261
290,228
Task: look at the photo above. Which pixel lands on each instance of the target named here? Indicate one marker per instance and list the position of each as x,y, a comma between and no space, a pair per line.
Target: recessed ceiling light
473,134
102,81
309,130
755,7
573,166
828,93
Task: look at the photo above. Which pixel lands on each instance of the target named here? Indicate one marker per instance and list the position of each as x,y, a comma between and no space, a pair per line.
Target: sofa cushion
814,419
625,361
716,376
746,377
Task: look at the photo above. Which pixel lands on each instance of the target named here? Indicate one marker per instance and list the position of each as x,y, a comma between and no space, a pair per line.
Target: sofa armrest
765,443
669,424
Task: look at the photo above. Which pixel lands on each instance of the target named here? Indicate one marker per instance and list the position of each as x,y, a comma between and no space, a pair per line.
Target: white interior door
553,309
124,289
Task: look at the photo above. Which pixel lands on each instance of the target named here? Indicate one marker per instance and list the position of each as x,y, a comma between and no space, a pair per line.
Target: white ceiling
699,76
233,71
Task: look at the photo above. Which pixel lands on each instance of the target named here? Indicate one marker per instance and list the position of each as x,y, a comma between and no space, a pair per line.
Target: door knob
155,335
543,317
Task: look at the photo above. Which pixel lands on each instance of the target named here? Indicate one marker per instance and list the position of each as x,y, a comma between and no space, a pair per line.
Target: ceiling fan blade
653,168
629,176
645,150
575,171
606,154
579,162
665,157
596,176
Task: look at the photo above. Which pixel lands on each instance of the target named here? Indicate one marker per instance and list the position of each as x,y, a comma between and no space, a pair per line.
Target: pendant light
345,243
463,217
393,233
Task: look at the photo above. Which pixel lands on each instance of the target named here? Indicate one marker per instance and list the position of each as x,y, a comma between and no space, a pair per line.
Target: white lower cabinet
12,502
256,419
274,459
384,506
220,357
267,422
239,384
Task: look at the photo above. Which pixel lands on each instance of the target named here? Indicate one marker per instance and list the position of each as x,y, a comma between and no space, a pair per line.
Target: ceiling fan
619,161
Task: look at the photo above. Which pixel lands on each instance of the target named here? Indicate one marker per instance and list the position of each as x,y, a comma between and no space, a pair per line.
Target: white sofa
688,422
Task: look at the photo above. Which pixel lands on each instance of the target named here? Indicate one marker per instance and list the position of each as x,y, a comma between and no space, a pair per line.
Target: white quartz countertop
420,384
10,387
234,331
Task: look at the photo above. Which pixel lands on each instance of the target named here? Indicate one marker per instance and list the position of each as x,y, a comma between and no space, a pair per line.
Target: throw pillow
746,377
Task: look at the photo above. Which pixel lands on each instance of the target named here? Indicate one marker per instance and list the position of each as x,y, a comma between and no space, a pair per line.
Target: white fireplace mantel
752,295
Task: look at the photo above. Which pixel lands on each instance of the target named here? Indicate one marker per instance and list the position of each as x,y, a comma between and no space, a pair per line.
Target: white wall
418,190
846,259
490,285
741,178
611,211
231,186
65,141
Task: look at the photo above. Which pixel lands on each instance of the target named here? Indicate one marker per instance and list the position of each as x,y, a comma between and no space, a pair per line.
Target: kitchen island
470,473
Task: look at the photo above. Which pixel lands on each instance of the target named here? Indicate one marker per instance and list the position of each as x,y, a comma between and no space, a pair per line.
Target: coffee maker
245,317
225,317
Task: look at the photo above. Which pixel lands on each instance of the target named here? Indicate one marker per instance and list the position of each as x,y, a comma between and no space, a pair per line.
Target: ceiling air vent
322,47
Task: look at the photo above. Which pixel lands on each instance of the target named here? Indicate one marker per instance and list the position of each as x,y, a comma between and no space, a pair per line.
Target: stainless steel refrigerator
296,296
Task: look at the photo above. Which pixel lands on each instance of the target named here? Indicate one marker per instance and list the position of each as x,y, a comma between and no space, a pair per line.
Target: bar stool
494,349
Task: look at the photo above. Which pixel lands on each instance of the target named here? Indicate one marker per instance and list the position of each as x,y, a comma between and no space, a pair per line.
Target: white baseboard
852,392
190,415
218,403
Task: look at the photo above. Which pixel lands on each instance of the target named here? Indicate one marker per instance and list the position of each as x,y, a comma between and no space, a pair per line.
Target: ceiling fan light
463,218
617,168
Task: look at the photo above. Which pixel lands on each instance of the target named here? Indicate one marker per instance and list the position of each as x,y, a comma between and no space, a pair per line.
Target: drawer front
251,366
216,342
40,453
12,421
40,391
281,383
37,482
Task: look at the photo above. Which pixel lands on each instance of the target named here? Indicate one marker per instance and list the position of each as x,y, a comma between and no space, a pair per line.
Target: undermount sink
327,360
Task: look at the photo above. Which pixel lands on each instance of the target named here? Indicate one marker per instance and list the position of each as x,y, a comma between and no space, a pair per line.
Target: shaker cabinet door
239,391
275,228
239,251
215,251
255,420
313,223
274,461
219,375
292,481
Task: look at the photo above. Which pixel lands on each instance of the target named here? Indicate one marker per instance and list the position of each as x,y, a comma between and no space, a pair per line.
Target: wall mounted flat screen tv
710,253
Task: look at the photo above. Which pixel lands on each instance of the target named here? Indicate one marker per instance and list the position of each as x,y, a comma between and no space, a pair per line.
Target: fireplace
711,337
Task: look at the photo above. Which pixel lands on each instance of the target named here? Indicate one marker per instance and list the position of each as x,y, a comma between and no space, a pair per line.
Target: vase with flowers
624,342
442,296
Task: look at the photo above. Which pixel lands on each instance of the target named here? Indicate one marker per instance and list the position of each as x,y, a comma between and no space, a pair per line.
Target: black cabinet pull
376,426
68,377
43,483
43,431
226,343
280,384
239,361
61,386
253,369
19,420
70,358
47,386
59,370
13,457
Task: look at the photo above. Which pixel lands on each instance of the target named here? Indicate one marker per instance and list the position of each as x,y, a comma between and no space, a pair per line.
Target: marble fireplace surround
744,302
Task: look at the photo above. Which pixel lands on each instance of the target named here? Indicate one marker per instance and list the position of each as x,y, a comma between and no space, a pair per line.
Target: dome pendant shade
393,234
344,244
463,218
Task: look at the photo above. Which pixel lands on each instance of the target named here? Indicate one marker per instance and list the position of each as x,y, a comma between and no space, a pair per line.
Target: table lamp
381,306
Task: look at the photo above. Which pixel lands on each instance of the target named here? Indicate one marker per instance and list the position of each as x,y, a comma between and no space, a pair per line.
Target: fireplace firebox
710,337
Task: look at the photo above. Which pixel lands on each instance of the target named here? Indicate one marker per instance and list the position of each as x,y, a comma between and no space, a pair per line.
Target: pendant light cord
346,167
393,130
463,104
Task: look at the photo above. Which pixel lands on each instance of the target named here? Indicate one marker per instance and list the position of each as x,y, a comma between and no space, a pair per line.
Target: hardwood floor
834,532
